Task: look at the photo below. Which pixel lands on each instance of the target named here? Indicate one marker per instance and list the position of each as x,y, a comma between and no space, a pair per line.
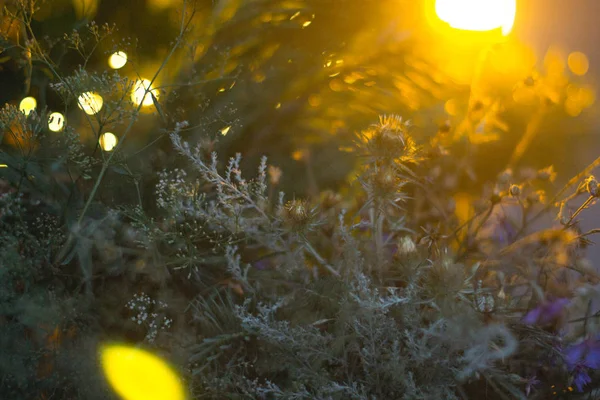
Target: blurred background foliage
296,79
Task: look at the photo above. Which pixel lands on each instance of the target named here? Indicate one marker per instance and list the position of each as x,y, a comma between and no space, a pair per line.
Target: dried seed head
407,245
515,190
390,139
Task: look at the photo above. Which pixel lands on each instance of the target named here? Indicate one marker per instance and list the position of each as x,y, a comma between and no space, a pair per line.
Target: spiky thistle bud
297,212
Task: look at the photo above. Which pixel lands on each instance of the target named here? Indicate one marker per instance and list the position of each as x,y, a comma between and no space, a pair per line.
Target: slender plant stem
133,119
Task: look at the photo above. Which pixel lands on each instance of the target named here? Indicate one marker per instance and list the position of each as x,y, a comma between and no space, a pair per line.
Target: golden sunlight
117,60
56,122
108,141
27,105
90,102
136,374
478,15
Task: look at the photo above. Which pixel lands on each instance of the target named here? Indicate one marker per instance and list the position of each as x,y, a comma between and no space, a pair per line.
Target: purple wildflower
531,382
582,356
580,377
546,312
586,353
261,264
503,230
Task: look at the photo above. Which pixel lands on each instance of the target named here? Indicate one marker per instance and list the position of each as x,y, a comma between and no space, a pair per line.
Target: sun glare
478,15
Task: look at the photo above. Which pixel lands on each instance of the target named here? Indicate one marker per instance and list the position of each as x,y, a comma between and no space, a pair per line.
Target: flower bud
515,190
297,212
592,186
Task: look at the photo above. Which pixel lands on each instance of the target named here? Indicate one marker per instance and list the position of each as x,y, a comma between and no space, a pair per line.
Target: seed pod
515,190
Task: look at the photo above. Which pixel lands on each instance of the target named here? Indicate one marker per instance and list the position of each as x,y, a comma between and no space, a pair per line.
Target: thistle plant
377,265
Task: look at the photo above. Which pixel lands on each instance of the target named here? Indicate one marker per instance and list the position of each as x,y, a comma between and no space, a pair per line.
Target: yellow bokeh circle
27,105
136,374
108,141
90,102
578,63
117,60
56,122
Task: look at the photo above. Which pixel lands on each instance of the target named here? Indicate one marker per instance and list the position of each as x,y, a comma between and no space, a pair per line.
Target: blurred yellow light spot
295,15
160,5
108,141
225,130
314,100
451,107
139,95
578,63
27,105
298,155
259,77
221,90
117,60
85,8
336,85
307,23
3,166
478,15
583,96
90,102
56,122
524,95
554,62
277,106
136,374
573,107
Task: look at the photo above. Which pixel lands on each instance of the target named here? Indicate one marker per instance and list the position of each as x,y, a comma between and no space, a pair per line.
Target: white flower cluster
150,313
